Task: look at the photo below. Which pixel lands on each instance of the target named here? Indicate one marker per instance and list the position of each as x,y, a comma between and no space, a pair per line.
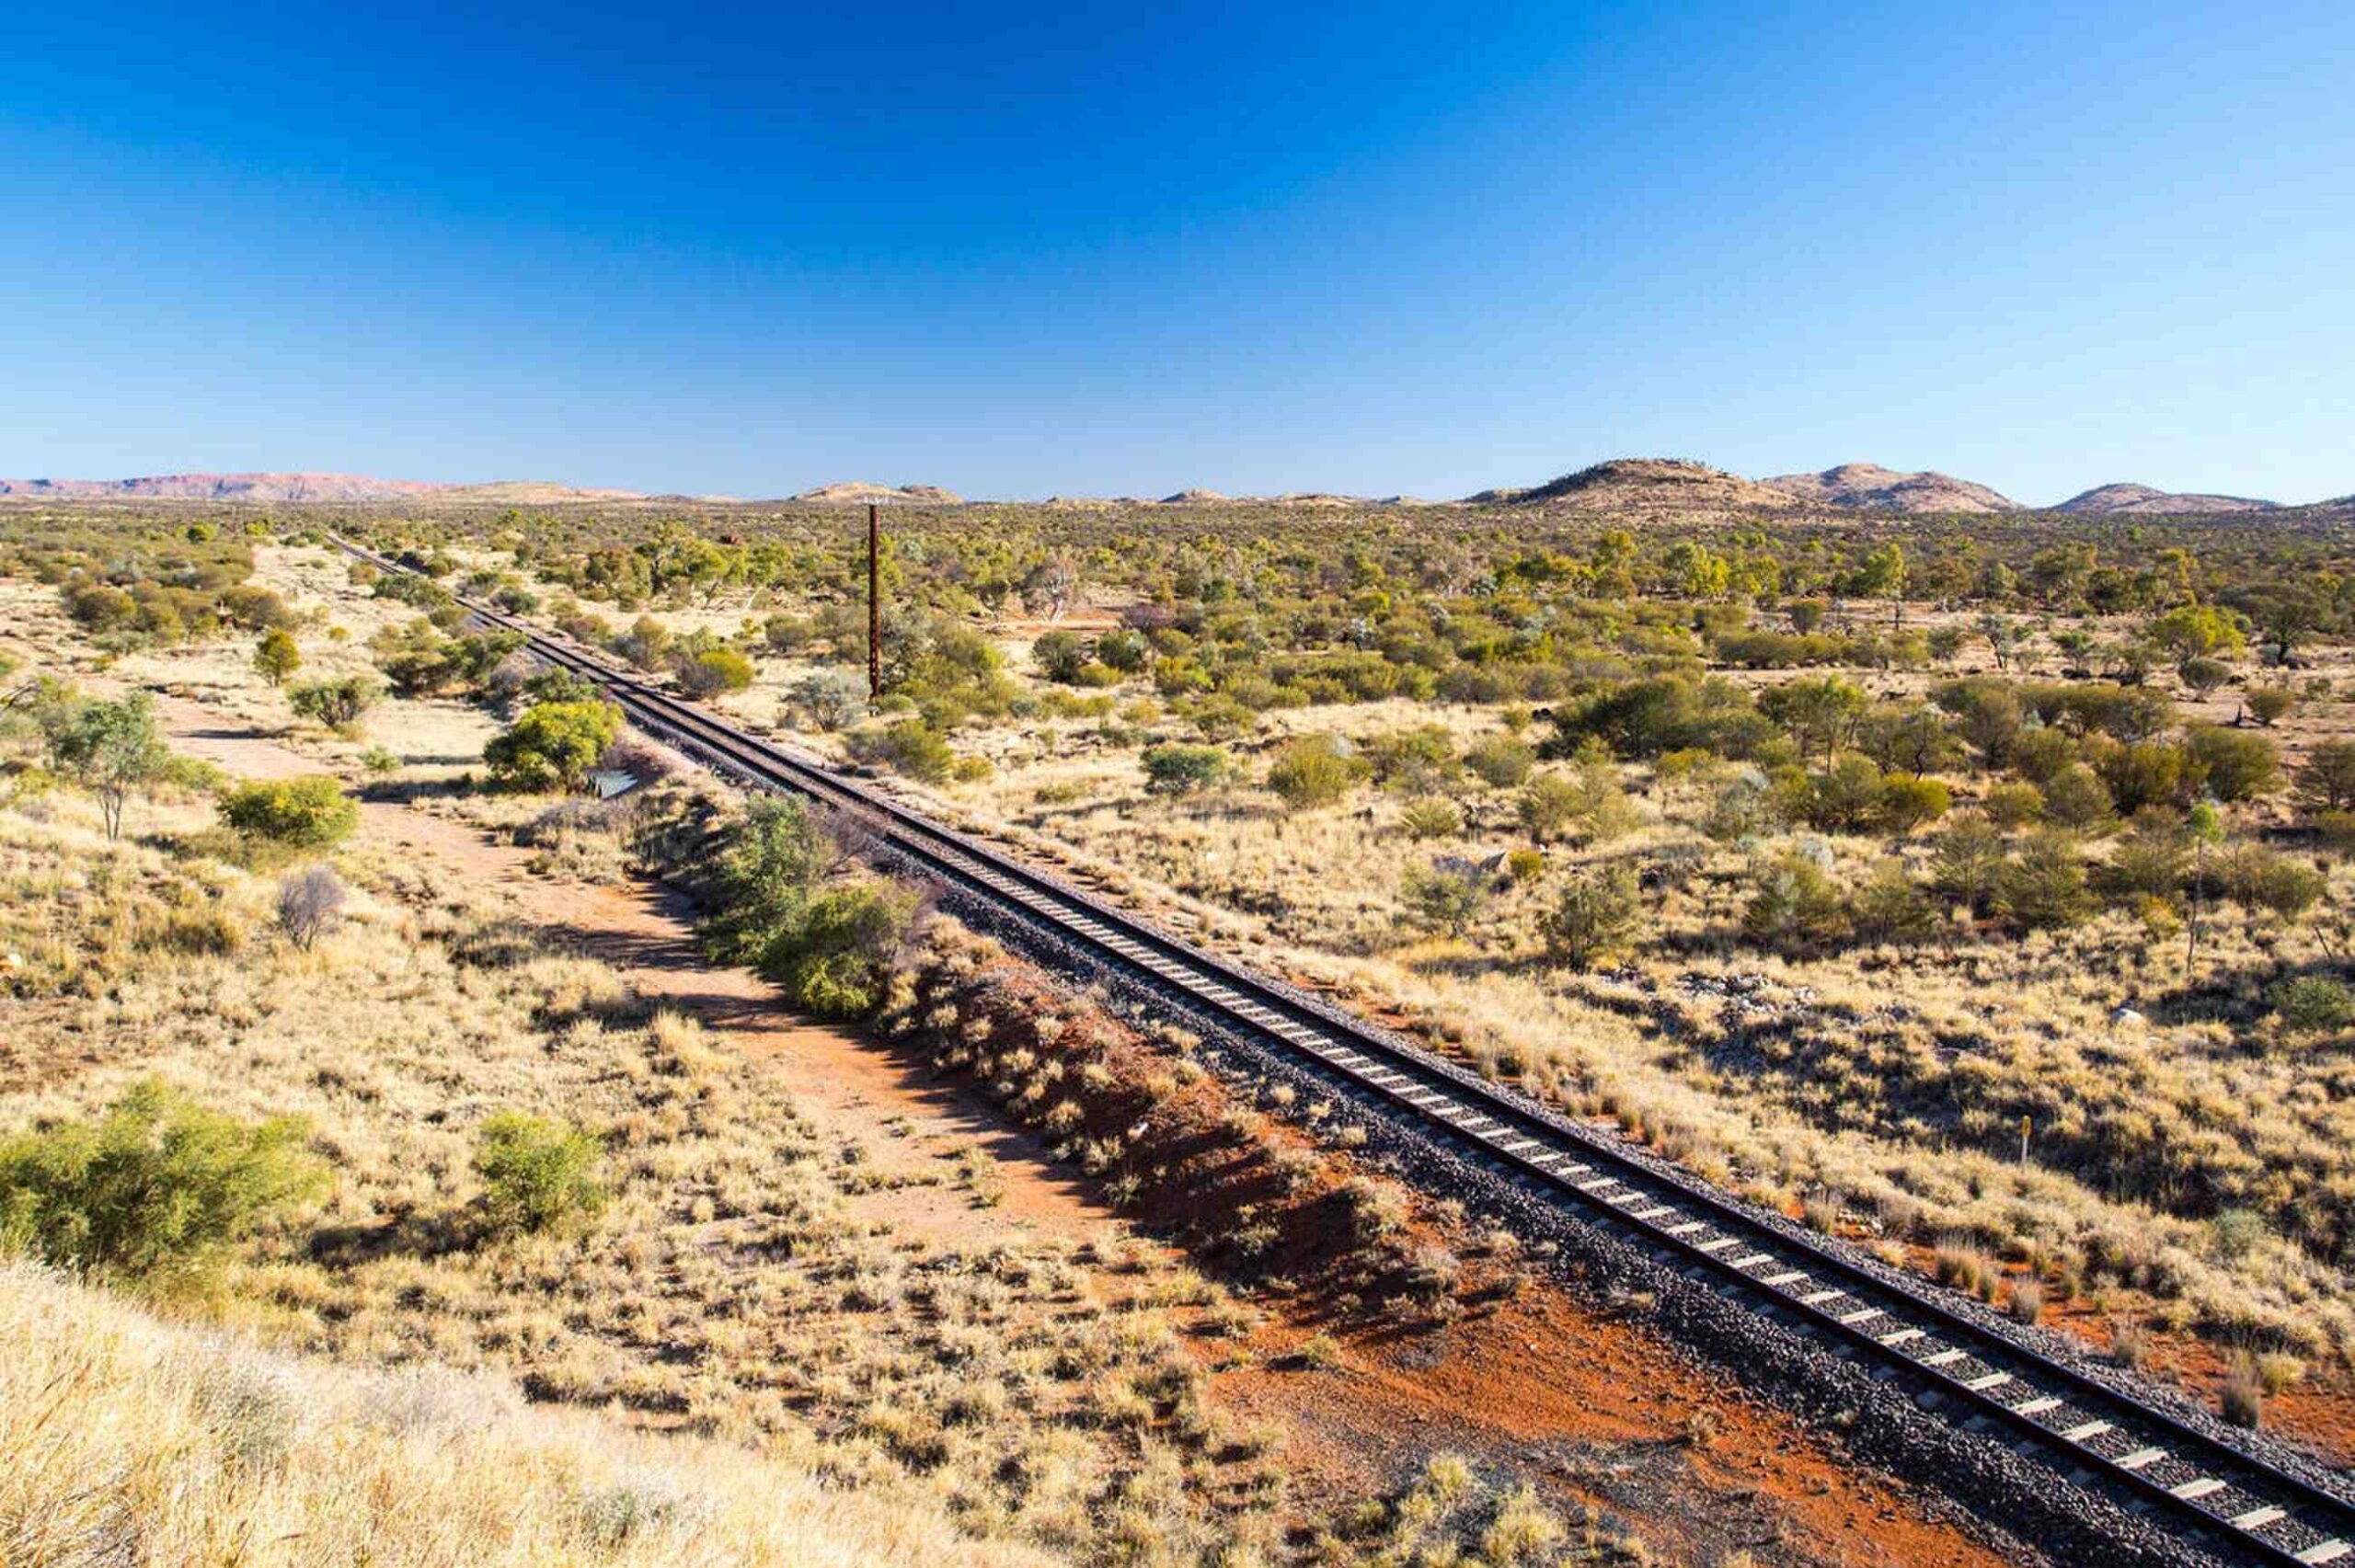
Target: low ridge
859,492
2144,501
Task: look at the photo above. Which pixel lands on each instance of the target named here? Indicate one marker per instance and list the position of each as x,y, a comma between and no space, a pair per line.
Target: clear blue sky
1093,250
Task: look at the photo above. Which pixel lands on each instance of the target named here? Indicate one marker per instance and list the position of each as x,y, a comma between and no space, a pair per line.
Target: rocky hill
858,492
2141,501
1867,486
1645,484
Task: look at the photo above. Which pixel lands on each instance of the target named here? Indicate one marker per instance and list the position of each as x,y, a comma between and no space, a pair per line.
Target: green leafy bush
336,704
1183,770
828,942
2313,1003
2236,764
1317,769
553,745
714,670
1796,909
538,1173
156,1184
304,813
277,656
912,747
2043,887
1501,762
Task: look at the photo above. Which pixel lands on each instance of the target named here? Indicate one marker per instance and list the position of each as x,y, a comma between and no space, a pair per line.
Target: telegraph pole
874,606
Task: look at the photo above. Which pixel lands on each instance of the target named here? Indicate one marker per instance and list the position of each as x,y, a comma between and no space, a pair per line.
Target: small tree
553,745
112,748
2270,704
2326,782
306,813
336,704
1598,913
310,904
277,657
2236,764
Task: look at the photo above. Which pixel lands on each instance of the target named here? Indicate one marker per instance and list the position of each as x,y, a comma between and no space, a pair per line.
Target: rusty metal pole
874,606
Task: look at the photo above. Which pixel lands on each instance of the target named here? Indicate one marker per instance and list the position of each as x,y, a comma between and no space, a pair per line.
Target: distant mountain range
293,488
1635,484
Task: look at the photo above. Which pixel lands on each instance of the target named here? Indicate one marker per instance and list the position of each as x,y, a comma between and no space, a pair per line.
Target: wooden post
874,606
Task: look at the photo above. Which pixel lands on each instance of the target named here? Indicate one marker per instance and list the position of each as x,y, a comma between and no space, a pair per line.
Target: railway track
2090,1426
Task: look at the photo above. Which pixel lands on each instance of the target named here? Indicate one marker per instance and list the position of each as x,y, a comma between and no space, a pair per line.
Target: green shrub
911,746
305,813
1597,915
336,704
2076,799
2326,782
836,959
538,1173
553,745
1183,770
157,1183
2313,1003
1908,800
1448,896
1415,761
1431,819
1501,762
2014,805
829,944
714,670
1317,769
2270,704
2043,887
1892,907
2259,878
1796,911
1061,655
2237,764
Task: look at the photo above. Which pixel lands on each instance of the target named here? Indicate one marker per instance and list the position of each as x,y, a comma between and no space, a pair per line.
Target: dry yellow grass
733,1288
126,1439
